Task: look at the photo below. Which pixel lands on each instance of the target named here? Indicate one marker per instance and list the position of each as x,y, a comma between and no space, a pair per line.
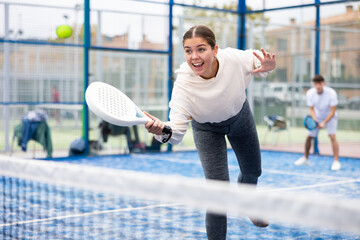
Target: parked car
285,92
276,93
342,101
263,93
354,102
268,100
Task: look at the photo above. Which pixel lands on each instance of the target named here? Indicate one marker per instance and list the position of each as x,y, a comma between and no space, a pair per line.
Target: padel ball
63,31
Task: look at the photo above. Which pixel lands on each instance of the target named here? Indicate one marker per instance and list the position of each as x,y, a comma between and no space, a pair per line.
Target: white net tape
315,211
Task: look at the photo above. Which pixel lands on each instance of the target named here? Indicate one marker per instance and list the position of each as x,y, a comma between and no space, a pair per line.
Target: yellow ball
63,31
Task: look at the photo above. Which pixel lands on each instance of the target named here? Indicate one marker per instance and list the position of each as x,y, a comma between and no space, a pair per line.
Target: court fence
36,64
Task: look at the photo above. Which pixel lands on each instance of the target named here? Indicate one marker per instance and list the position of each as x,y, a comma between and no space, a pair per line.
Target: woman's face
201,57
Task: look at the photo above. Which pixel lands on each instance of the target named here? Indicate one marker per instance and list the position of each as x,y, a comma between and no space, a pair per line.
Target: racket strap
168,131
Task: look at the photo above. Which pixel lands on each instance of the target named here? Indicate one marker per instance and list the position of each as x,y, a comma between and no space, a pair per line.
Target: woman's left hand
268,63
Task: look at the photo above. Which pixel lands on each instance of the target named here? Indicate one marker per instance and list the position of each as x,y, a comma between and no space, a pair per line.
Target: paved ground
346,150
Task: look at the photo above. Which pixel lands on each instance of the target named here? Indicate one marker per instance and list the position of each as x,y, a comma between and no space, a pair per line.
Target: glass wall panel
130,25
129,49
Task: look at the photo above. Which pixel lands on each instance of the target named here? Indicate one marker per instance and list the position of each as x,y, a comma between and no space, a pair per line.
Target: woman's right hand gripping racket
310,123
113,106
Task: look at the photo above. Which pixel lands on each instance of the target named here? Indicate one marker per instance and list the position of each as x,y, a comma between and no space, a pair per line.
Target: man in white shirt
322,101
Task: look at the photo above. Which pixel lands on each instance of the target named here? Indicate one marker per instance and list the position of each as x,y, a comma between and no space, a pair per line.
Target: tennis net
53,200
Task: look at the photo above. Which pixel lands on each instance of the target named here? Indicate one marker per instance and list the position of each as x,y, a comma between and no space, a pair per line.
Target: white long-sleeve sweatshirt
211,100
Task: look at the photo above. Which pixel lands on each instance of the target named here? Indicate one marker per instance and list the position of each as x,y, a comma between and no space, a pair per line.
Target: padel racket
113,106
310,123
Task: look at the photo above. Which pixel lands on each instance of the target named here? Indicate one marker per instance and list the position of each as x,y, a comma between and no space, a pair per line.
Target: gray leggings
211,146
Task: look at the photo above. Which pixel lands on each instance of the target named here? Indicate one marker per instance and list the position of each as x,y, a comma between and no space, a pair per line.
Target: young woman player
209,92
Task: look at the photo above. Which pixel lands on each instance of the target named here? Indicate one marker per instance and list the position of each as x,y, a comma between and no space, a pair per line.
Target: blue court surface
279,174
165,221
279,171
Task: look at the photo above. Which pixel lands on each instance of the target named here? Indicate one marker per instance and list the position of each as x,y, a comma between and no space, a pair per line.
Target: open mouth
198,65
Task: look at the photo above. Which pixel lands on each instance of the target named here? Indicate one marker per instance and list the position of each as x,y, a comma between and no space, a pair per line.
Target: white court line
341,180
235,167
175,160
307,175
313,185
87,214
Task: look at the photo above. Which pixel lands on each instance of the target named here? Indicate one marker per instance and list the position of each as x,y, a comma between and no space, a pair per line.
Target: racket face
310,123
113,106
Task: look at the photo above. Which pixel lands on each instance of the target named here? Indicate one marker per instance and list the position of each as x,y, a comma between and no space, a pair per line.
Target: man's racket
113,106
310,123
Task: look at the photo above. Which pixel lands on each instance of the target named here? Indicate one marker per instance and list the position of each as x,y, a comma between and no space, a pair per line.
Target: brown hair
318,79
201,31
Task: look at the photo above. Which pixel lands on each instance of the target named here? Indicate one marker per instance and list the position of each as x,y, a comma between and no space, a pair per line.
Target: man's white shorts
330,127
